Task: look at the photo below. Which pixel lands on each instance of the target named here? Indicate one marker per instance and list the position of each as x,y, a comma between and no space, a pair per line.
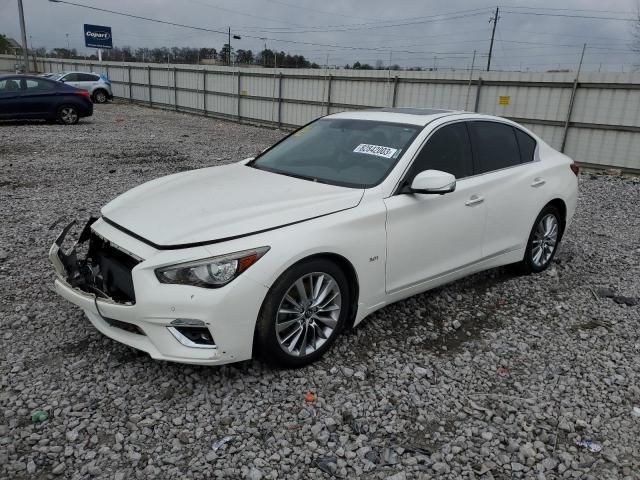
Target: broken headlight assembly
214,272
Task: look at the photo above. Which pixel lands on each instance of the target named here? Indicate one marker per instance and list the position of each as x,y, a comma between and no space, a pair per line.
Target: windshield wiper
290,174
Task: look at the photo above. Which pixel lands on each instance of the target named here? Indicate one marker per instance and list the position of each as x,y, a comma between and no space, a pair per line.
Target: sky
425,33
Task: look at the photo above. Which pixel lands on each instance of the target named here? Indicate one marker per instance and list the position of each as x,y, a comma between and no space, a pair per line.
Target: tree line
188,55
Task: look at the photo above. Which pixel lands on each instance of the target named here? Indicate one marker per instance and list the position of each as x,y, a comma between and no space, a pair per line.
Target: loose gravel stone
496,375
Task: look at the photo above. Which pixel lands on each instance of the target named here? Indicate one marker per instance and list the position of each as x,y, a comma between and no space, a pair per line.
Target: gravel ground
495,376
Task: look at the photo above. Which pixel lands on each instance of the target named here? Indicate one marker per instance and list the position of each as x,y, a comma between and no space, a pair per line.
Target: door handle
538,182
474,200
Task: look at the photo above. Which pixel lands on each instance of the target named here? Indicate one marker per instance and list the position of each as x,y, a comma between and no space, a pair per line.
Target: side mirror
433,181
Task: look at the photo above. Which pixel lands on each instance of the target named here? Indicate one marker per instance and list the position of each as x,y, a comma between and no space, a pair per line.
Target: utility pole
493,33
23,31
473,64
68,46
229,54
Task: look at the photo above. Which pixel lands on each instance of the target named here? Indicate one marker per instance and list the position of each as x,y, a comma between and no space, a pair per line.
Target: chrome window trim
536,156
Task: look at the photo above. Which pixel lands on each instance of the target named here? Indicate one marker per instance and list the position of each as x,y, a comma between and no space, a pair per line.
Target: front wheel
303,313
543,241
68,115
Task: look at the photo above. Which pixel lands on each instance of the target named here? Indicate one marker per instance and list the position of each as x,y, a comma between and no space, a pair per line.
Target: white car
275,255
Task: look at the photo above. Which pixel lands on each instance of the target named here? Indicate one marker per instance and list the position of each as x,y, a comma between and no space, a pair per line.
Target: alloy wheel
308,314
68,115
100,97
545,240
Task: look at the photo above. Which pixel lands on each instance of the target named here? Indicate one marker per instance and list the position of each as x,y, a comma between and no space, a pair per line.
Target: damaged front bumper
95,266
162,320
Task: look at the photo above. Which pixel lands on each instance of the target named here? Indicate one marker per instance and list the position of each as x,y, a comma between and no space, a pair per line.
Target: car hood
220,203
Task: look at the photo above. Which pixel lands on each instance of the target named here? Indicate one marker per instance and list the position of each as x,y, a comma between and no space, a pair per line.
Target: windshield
351,153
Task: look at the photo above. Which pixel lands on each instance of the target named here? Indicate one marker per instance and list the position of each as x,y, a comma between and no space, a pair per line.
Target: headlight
212,272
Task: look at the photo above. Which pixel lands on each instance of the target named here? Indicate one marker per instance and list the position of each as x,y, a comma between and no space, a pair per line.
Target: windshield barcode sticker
377,150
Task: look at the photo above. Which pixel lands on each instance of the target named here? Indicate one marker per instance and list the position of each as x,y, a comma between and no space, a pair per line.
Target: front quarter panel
356,234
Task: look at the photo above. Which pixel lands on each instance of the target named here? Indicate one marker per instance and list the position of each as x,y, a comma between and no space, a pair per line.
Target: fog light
192,336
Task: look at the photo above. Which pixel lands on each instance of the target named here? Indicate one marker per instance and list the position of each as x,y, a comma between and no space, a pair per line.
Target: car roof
78,71
21,75
412,116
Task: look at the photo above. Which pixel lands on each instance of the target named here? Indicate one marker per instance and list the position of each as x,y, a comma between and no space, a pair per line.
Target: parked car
98,85
275,255
32,97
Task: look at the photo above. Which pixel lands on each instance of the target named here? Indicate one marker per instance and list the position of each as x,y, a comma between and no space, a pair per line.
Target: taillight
83,93
574,168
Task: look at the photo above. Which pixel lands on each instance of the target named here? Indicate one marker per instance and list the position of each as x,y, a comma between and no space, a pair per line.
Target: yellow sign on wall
504,100
243,92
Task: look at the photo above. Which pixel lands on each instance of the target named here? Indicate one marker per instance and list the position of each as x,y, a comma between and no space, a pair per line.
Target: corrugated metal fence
596,120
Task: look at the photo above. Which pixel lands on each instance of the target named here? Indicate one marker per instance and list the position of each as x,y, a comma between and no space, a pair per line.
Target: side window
447,150
527,146
9,85
494,146
86,77
70,77
37,84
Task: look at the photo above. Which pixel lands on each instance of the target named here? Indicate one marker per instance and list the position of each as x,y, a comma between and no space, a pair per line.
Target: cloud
344,32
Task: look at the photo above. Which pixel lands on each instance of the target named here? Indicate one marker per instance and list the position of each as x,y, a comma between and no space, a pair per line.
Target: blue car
30,97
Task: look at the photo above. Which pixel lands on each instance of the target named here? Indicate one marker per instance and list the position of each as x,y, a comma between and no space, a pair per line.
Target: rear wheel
100,96
68,115
303,314
543,240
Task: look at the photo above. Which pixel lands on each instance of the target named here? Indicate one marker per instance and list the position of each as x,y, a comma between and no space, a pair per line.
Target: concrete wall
604,108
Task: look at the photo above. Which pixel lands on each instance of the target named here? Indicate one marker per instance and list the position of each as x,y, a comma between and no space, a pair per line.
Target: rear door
504,158
429,236
38,96
10,98
86,81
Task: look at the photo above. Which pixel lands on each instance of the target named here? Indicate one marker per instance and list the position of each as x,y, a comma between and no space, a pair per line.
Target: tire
100,96
68,115
286,320
543,242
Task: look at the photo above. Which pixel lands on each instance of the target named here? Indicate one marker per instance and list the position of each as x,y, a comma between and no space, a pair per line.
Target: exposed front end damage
94,265
96,271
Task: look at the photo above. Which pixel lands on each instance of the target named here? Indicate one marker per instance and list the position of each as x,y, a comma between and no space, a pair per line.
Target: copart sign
97,36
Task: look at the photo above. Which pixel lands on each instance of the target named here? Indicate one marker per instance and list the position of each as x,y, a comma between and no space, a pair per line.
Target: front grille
111,269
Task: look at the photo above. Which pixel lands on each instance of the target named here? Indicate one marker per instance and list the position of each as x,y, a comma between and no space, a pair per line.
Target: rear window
9,85
494,146
87,77
527,146
39,84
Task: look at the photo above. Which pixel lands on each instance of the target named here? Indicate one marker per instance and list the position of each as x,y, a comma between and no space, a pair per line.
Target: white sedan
275,255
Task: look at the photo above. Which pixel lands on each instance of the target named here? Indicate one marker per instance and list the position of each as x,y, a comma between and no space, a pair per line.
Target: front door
429,236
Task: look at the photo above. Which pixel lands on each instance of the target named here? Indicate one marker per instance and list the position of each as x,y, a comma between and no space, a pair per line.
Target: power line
566,15
380,24
261,17
299,42
318,11
575,10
